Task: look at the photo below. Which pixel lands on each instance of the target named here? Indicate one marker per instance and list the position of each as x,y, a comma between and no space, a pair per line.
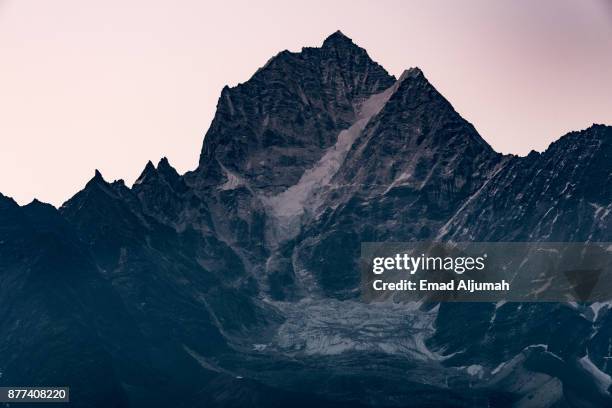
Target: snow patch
498,368
475,370
232,182
597,306
209,365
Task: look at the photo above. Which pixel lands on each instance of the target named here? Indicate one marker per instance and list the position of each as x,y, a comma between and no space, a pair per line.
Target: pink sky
112,84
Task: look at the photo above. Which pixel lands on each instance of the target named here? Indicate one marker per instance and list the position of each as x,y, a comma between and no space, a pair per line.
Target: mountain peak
297,103
95,184
337,38
96,179
414,72
164,166
149,171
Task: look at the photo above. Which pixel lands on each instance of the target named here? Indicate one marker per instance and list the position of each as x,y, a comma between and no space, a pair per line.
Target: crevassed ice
331,327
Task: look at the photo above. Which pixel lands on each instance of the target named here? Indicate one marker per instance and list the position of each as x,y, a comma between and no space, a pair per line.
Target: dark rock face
53,327
271,128
236,284
413,166
562,194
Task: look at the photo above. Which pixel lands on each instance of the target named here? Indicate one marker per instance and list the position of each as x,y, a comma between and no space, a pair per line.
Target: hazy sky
111,84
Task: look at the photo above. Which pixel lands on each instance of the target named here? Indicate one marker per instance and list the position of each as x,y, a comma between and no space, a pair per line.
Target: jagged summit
163,169
96,179
597,138
337,45
147,172
413,72
337,38
163,162
295,105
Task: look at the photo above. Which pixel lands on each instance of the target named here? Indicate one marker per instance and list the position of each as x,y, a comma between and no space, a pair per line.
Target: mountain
237,283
